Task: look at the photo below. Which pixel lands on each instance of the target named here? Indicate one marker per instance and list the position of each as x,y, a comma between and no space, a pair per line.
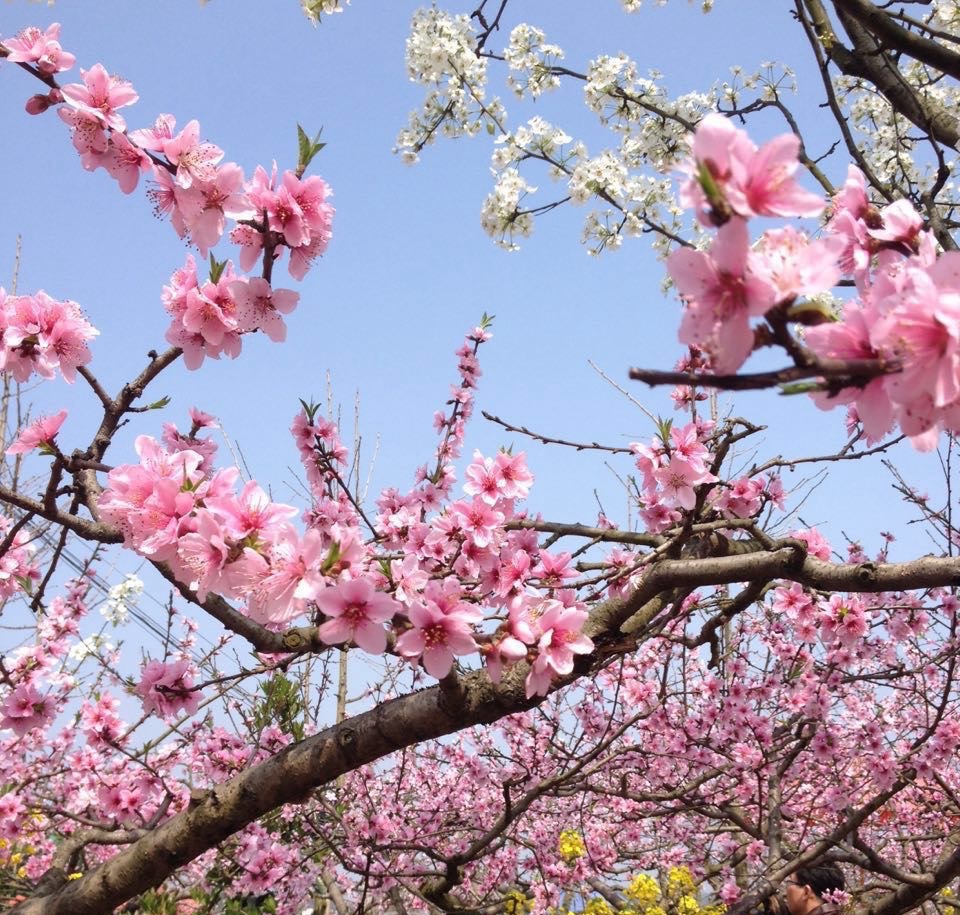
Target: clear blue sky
409,269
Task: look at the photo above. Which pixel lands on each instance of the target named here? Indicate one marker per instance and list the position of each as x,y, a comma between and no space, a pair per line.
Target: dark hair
821,878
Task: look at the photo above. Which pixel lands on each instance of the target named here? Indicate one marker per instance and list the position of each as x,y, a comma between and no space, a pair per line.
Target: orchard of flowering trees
443,696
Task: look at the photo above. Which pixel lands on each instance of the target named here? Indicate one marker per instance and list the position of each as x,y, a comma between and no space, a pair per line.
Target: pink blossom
167,689
722,290
678,481
31,46
260,307
100,96
206,203
39,434
154,137
479,520
358,612
794,266
294,579
125,162
437,637
501,653
195,161
484,479
560,640
517,478
25,709
552,570
742,178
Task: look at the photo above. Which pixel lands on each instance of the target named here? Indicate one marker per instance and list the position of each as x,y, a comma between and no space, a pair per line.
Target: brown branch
547,440
914,45
868,60
840,373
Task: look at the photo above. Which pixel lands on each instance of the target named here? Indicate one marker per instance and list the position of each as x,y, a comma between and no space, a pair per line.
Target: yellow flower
515,903
679,881
718,908
643,890
21,872
688,905
16,858
572,846
655,910
598,906
76,875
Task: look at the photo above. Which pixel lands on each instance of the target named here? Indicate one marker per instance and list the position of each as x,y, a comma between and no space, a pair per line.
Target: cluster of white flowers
120,598
442,53
92,645
604,175
616,92
767,83
537,138
501,216
630,180
654,126
531,61
314,9
887,140
946,15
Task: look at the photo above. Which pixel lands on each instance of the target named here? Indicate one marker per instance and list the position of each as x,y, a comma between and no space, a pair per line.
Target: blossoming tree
655,716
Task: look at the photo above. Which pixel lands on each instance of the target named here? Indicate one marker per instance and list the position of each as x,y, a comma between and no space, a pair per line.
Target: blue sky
409,269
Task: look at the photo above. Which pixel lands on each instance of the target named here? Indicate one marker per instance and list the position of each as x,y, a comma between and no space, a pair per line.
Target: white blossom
531,59
314,9
120,599
91,645
442,54
500,214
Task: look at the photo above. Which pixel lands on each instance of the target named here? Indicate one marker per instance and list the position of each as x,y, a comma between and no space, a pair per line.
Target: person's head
804,888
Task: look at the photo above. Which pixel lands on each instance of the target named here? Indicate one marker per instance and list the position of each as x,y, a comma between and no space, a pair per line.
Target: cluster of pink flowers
907,314
240,545
210,318
43,336
905,319
672,470
167,689
199,193
298,213
839,620
457,554
731,180
18,566
42,50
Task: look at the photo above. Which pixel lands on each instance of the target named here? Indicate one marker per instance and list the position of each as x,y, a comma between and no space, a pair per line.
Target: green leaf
158,404
811,312
309,408
663,429
216,269
307,148
800,387
303,144
486,321
333,557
